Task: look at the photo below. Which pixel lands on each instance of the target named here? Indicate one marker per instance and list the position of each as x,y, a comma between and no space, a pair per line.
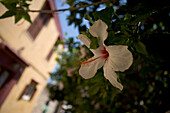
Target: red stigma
104,55
104,52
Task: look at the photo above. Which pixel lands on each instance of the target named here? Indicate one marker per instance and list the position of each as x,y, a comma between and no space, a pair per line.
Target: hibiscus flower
112,58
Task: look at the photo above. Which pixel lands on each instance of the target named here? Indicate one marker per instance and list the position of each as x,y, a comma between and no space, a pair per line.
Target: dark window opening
41,20
53,49
50,54
4,76
57,42
29,91
11,68
56,45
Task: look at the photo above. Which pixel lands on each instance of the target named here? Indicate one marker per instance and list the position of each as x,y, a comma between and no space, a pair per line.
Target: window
11,68
39,22
29,91
50,54
56,45
4,75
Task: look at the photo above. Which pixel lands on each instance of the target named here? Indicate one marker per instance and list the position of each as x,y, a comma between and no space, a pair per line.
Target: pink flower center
104,55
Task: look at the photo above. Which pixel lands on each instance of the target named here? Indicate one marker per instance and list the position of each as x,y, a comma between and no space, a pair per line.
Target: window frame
8,60
42,19
50,54
24,95
2,70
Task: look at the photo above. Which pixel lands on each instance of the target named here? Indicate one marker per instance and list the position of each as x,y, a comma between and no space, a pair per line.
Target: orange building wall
34,52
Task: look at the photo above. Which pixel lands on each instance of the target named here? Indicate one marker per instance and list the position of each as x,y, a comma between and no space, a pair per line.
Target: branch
117,16
70,9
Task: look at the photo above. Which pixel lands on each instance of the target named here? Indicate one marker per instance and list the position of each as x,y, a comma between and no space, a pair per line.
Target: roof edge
4,46
56,18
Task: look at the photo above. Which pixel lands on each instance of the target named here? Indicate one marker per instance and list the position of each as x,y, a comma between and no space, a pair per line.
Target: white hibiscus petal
120,57
111,75
99,30
85,40
96,52
89,69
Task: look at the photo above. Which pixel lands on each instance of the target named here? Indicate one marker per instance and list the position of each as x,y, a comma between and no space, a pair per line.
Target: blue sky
70,30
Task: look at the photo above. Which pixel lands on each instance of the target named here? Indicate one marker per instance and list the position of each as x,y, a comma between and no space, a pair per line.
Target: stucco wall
38,108
15,105
34,52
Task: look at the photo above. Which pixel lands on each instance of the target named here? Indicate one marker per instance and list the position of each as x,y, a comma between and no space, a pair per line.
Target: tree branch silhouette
69,9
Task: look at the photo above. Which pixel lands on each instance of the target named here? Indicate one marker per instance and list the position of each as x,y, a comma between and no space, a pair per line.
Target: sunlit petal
89,68
111,75
85,40
99,30
120,57
96,52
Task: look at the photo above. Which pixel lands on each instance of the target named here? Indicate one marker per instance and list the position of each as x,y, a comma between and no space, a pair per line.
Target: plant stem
117,16
70,9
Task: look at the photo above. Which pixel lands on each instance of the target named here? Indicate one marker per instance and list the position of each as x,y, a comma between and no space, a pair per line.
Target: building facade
26,57
41,103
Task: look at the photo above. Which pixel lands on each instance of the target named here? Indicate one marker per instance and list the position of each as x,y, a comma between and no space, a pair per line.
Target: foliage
13,7
145,86
146,83
144,27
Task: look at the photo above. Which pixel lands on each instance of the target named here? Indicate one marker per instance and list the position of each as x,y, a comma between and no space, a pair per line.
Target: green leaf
105,15
85,33
11,6
127,17
94,89
23,4
18,17
94,43
9,1
7,14
60,42
87,17
26,16
139,17
110,38
65,33
140,48
57,59
70,2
